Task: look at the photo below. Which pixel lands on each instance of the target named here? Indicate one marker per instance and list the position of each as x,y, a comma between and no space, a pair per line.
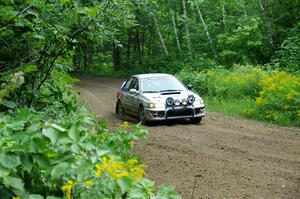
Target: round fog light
177,102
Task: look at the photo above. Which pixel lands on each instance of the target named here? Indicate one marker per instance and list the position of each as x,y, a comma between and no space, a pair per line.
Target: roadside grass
236,108
230,107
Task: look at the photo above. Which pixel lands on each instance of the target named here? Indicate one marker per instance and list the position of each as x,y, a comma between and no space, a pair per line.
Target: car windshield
161,84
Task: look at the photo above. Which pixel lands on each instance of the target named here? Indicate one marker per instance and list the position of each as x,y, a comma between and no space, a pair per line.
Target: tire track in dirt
222,157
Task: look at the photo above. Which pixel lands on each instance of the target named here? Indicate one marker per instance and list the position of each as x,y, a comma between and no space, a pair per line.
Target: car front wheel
142,118
195,120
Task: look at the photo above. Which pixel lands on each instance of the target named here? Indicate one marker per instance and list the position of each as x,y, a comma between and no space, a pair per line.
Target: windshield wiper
169,90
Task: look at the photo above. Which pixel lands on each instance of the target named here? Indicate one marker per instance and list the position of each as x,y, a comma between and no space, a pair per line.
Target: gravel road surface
222,157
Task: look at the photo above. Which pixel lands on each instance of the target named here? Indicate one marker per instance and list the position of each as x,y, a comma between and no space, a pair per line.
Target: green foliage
287,57
57,148
265,95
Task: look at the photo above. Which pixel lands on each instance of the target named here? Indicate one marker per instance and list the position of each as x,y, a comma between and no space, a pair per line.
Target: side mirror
133,91
189,86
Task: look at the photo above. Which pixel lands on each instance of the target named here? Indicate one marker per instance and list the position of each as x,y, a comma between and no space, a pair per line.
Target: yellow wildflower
261,93
99,170
15,197
248,112
210,73
121,175
131,163
138,171
258,101
272,87
89,183
125,124
289,96
68,189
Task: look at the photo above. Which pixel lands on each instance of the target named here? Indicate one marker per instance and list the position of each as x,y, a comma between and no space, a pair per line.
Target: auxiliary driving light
191,99
169,101
177,102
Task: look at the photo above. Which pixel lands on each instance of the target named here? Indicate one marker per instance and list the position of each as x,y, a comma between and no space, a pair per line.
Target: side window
127,85
134,84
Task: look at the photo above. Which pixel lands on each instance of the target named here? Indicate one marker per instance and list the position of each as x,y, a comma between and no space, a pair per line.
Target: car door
126,98
133,97
134,102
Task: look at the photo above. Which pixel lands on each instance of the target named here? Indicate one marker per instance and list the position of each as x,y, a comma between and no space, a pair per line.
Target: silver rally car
157,96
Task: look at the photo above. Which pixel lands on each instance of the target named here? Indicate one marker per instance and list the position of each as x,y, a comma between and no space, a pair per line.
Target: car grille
180,112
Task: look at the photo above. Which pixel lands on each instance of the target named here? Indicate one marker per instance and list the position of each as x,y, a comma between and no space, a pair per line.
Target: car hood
161,97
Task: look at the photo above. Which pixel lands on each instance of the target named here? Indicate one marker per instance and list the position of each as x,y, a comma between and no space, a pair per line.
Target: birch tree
188,39
162,42
268,29
206,29
175,31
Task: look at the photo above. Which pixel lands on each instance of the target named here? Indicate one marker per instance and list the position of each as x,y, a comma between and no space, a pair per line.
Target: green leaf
59,128
9,104
16,183
75,135
29,68
64,1
59,170
9,161
75,148
92,12
35,196
6,2
4,172
41,160
101,153
53,197
168,192
125,184
51,134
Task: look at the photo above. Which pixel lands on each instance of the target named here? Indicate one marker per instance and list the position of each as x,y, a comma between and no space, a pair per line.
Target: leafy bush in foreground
275,94
57,148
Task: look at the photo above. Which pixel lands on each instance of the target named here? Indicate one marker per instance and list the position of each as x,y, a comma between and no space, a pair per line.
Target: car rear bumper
174,113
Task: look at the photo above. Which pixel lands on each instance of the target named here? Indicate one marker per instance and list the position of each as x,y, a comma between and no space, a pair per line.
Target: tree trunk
117,57
206,30
223,15
175,31
128,48
160,36
188,39
268,29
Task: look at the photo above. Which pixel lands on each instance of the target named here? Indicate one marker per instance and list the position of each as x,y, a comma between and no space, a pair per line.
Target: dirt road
222,157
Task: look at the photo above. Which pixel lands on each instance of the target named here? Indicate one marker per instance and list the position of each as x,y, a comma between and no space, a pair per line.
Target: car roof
149,75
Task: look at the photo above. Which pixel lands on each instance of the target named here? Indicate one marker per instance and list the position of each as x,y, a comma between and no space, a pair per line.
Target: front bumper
174,113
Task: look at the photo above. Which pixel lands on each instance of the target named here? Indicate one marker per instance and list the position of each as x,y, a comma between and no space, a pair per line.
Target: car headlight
184,102
169,101
151,105
191,99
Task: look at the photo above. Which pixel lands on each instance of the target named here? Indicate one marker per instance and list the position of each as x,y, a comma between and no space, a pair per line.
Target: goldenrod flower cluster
68,189
118,169
125,125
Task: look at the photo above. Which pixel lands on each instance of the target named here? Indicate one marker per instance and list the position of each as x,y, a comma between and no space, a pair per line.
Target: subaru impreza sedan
157,96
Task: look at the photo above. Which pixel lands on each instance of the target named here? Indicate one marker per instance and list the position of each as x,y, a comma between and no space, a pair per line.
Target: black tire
119,108
141,116
195,120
